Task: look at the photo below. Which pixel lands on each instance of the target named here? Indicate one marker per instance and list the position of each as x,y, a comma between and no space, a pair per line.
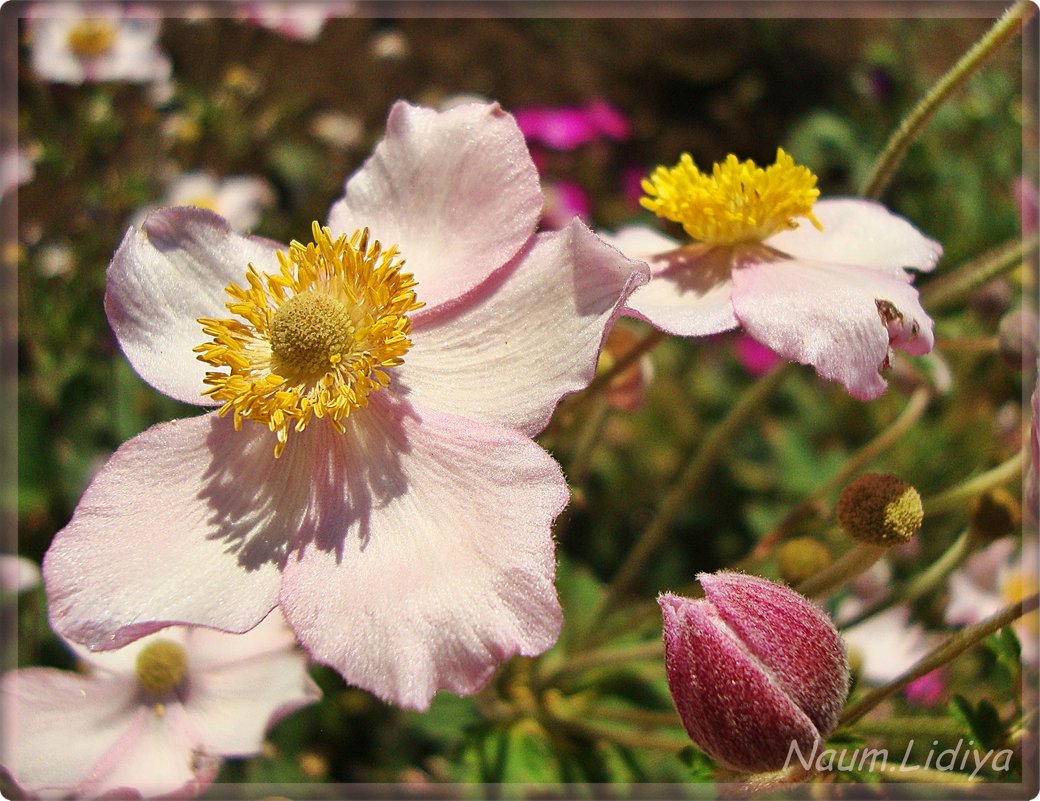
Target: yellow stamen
161,667
737,202
314,339
90,38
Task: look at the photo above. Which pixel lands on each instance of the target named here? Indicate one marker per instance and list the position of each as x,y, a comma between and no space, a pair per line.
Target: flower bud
880,509
754,670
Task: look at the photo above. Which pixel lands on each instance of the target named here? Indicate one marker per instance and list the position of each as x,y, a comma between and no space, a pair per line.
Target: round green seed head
880,509
161,667
800,558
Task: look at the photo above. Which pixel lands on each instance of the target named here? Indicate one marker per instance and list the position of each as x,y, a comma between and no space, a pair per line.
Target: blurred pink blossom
756,357
564,200
1026,196
570,127
154,718
302,20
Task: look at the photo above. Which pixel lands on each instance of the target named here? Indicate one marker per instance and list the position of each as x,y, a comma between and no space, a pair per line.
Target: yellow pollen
91,38
737,202
161,667
314,339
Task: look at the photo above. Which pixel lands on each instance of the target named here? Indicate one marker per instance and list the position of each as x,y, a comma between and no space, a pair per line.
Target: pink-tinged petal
689,293
123,661
456,191
58,726
859,232
212,649
159,756
450,570
888,644
477,358
187,523
840,319
163,278
232,706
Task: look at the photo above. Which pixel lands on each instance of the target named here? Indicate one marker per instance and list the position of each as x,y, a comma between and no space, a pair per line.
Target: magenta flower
754,669
369,468
153,718
835,294
91,42
570,127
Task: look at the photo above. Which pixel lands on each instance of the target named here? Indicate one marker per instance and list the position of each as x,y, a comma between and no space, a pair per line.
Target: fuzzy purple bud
753,667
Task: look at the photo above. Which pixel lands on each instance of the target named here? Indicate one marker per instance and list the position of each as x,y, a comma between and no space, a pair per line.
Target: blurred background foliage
304,115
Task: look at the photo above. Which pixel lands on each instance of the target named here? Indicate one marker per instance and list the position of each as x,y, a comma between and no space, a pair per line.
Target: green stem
911,413
951,649
1001,32
606,657
646,718
949,289
968,344
589,435
850,564
695,473
912,727
924,582
624,737
955,496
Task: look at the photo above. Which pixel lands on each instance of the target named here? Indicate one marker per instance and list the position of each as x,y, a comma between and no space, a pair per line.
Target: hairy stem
892,156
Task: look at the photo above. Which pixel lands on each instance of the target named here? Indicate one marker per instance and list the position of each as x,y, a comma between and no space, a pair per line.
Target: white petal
479,358
187,523
58,725
827,315
163,278
447,567
859,232
232,704
689,293
456,191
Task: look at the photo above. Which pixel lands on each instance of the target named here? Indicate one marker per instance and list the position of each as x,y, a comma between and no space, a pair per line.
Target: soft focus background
301,114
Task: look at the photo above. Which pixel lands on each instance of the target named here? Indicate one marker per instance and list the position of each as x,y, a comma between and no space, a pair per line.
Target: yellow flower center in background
315,338
91,38
161,666
737,202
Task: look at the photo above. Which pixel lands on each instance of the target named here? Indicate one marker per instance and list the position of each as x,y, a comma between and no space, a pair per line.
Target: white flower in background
18,574
991,579
154,717
240,200
300,20
88,43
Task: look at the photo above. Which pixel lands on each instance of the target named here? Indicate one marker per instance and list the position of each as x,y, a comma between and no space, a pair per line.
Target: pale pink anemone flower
239,199
154,718
408,543
834,294
94,42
